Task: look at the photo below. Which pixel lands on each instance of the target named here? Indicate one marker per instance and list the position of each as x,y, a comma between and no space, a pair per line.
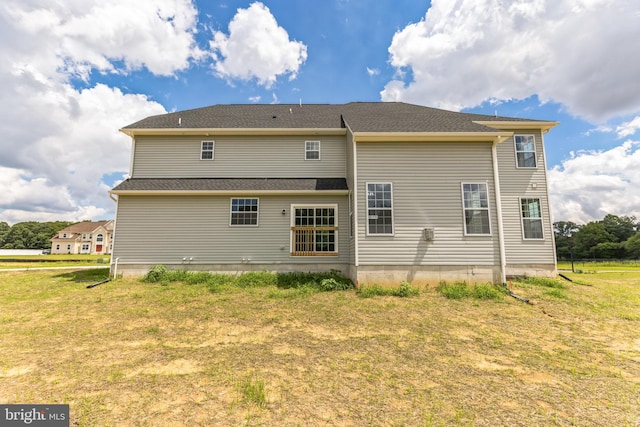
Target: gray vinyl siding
426,180
516,183
238,157
164,230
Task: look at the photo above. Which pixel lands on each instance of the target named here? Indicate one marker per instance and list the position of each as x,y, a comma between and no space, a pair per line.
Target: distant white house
84,238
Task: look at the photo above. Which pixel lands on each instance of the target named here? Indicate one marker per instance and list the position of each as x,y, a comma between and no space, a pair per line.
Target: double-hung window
531,218
475,198
312,150
379,208
525,151
206,150
244,212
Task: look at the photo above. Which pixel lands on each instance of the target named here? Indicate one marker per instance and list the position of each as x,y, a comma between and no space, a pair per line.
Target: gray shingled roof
358,116
232,184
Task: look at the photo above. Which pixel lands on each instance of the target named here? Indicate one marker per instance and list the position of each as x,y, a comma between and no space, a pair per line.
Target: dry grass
47,261
128,353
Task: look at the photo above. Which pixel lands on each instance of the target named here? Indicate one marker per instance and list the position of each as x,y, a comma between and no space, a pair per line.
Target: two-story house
383,192
84,238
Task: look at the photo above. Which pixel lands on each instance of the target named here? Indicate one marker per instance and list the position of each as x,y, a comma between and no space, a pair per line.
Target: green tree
632,246
4,229
622,227
608,250
564,232
32,235
589,236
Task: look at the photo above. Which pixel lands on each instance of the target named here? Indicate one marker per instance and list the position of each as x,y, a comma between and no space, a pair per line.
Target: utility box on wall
427,234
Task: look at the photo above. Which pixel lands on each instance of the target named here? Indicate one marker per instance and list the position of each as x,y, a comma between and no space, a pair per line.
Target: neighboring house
384,192
84,238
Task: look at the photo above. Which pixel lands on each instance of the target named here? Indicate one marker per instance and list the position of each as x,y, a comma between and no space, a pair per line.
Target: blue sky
76,72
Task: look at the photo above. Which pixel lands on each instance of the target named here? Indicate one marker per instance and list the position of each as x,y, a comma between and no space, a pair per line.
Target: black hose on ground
98,283
516,296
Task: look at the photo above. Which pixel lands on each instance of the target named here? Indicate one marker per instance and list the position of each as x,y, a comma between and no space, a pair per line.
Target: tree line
29,235
613,237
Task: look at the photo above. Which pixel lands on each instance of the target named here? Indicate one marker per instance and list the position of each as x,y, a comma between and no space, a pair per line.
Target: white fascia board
431,136
229,192
234,131
518,125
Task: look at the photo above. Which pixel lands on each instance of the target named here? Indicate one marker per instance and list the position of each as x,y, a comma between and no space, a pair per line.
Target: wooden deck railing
304,241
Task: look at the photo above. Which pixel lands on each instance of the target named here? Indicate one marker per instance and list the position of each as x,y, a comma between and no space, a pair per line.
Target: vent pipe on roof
179,121
301,102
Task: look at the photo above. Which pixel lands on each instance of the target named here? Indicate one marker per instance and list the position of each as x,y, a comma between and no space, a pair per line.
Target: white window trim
292,223
522,218
393,222
231,212
309,151
213,150
464,209
535,152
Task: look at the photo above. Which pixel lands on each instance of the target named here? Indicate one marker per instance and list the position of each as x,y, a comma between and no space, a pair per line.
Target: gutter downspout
355,201
496,184
113,240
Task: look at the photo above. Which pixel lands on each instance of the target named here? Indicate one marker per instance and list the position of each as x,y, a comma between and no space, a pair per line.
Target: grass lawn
132,353
592,266
46,261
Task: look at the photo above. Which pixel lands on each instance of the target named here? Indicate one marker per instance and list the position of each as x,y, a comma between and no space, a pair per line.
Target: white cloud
581,53
628,128
255,99
256,47
76,37
59,141
373,71
591,184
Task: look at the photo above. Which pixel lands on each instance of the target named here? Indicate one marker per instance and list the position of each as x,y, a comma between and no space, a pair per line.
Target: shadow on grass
84,276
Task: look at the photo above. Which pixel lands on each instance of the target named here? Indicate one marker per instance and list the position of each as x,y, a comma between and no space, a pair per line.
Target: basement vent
427,234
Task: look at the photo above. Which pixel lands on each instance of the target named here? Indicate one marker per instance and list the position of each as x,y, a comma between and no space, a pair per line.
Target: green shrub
197,278
256,279
335,284
155,274
487,291
457,290
460,290
405,290
373,291
324,282
176,276
542,281
291,293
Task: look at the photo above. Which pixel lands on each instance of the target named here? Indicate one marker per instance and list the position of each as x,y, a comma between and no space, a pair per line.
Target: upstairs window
99,238
312,150
525,151
379,208
206,152
244,212
531,218
476,209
